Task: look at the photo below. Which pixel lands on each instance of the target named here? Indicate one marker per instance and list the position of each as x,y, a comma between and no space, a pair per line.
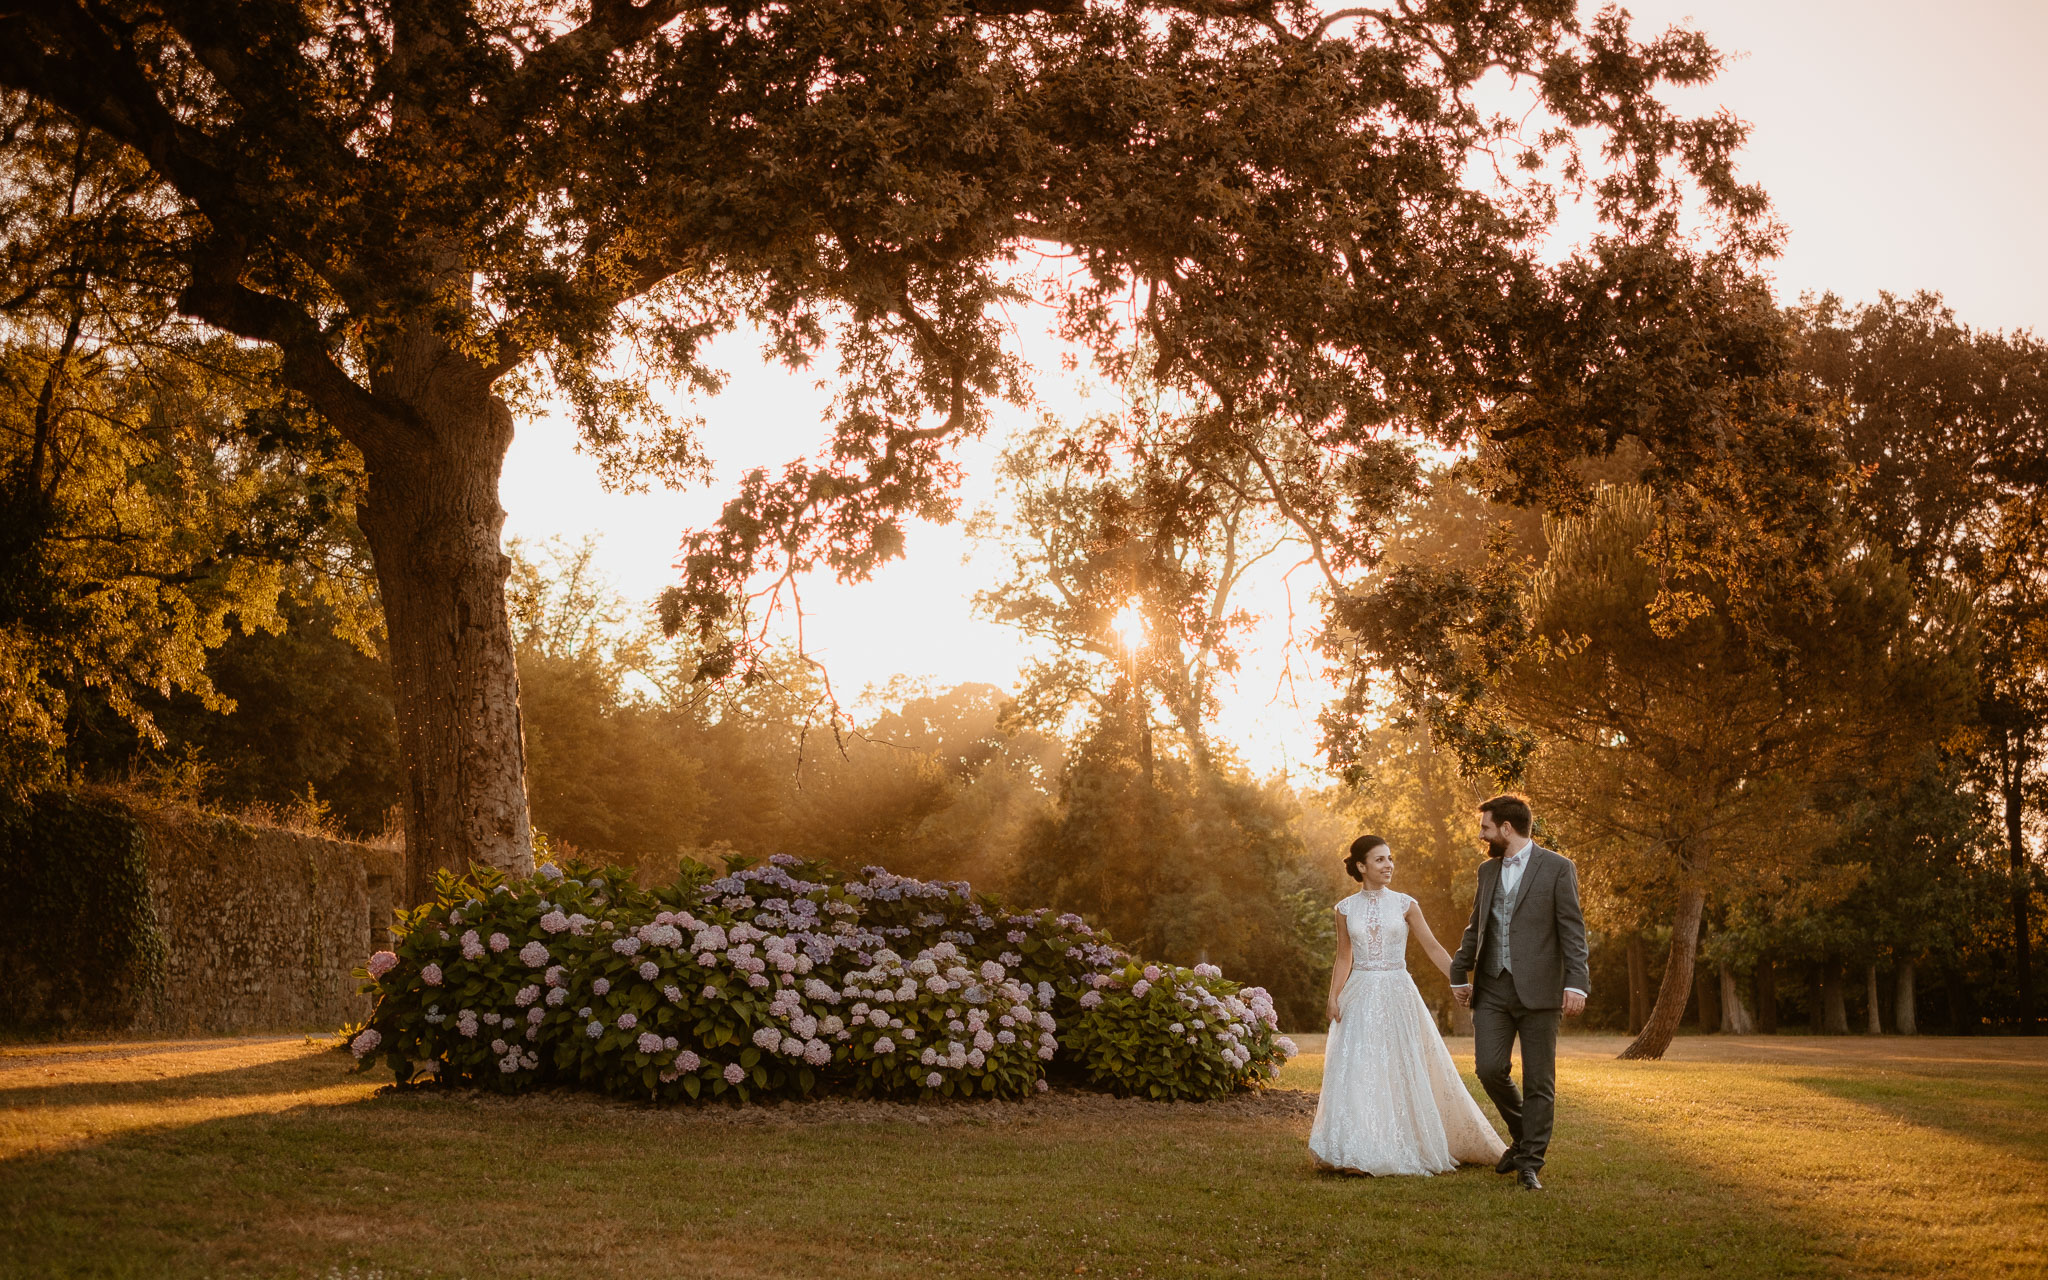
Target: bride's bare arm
1418,928
1341,970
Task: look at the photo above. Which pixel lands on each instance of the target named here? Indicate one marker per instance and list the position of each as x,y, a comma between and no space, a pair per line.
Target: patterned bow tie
1513,861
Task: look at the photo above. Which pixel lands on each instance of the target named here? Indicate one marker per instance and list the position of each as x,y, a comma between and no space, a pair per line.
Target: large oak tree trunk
1673,991
434,524
1873,1022
1905,1010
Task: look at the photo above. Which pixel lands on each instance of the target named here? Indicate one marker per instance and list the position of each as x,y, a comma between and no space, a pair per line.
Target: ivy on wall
82,948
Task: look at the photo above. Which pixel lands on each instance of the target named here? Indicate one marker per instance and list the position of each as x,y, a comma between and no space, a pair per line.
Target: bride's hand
1332,1013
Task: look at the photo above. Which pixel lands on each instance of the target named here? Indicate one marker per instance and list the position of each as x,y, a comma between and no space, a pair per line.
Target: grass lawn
1763,1157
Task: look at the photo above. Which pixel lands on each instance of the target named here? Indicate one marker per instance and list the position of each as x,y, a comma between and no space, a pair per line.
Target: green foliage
82,949
158,489
783,980
1188,864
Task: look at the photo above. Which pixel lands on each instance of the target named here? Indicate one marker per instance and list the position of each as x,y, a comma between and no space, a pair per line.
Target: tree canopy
435,213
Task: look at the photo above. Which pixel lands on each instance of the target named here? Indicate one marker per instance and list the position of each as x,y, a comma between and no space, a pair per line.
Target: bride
1392,1101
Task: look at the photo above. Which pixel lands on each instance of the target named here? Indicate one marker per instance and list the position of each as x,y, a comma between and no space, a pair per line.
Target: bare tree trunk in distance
2013,783
1766,995
1638,984
1706,995
1735,1019
1676,987
1834,1020
433,523
1905,1014
1874,1023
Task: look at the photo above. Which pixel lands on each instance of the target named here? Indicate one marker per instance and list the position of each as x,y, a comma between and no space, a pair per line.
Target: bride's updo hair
1361,849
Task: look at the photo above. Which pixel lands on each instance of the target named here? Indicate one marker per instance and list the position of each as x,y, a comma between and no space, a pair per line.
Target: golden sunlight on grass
64,1095
1767,1157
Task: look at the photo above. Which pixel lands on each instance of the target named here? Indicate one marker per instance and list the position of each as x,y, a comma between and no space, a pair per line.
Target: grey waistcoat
1498,959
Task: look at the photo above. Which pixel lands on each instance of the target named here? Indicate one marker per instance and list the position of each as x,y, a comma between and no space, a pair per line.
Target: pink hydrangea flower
688,1061
382,963
649,1042
472,946
601,986
431,975
934,1080
648,970
533,954
367,1040
1151,973
628,1020
499,942
554,921
1089,999
1041,1085
734,1073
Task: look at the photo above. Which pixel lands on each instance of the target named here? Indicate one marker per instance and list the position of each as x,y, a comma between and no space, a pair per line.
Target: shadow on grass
436,1183
2010,1112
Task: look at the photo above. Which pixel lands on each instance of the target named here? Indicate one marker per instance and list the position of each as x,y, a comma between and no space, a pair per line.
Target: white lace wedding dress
1392,1101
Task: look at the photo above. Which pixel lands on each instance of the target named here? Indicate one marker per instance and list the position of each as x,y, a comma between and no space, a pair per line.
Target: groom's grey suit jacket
1546,934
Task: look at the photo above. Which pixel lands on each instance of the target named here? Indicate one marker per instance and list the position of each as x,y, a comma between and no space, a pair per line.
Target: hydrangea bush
787,980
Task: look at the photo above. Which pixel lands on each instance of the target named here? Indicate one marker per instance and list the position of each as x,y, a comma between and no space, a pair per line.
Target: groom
1522,965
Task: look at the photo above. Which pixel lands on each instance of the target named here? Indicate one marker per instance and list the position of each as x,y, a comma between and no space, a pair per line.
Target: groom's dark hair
1510,809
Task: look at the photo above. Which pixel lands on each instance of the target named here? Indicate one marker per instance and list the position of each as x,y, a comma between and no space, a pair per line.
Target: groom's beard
1496,848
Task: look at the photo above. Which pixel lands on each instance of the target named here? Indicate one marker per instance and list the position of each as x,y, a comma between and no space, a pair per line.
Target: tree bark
1816,1022
1874,1022
434,525
1735,1019
1766,996
1673,991
2013,783
1962,1020
1905,1014
1834,1011
1638,984
1706,995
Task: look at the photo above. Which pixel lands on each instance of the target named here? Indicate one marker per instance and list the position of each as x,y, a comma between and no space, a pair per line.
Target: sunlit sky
1904,143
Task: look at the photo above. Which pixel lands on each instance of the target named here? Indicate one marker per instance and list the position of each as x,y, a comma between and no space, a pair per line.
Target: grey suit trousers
1498,1017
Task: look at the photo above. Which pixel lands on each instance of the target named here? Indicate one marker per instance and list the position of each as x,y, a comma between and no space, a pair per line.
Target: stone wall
262,926
167,922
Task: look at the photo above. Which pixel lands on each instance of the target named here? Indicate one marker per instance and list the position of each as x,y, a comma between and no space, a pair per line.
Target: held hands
1574,1004
1463,995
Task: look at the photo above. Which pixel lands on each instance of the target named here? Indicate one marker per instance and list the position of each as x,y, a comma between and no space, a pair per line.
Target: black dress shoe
1506,1163
1529,1180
